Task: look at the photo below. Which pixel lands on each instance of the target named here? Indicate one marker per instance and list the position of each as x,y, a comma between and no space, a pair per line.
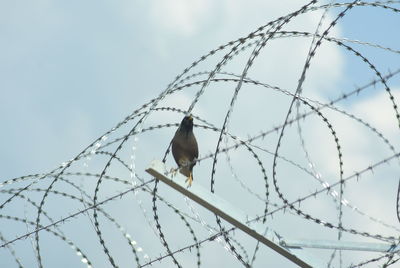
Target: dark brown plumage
185,149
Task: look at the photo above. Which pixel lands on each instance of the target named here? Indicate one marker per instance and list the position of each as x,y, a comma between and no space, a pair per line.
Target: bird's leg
189,179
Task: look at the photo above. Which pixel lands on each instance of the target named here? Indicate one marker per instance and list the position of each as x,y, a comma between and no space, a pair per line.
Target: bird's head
187,123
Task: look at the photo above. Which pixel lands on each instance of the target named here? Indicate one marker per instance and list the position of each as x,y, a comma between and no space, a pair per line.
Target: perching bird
184,148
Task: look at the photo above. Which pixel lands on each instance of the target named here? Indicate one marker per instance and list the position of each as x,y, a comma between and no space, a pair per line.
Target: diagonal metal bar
340,245
231,214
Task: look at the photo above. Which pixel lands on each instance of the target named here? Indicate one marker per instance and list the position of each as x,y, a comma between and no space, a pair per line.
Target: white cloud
378,109
360,146
180,16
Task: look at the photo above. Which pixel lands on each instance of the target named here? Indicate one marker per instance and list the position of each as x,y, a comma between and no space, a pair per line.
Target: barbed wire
103,206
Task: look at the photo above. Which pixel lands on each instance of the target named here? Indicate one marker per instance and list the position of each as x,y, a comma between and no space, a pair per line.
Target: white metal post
291,249
229,213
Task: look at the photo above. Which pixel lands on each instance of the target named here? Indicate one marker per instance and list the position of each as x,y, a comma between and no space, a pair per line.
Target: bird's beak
190,118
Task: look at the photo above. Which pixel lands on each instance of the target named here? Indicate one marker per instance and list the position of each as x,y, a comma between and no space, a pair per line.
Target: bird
185,149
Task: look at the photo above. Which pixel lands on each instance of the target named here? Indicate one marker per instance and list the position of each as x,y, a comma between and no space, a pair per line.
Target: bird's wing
193,147
178,150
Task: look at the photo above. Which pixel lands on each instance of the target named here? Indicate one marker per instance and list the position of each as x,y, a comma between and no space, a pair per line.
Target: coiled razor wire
305,165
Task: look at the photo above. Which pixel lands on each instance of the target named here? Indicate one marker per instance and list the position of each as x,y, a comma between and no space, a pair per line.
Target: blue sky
70,71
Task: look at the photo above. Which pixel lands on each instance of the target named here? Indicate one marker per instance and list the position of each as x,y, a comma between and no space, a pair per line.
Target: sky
70,71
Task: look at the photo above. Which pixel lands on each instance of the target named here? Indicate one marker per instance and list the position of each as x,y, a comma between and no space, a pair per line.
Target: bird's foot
173,172
189,180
